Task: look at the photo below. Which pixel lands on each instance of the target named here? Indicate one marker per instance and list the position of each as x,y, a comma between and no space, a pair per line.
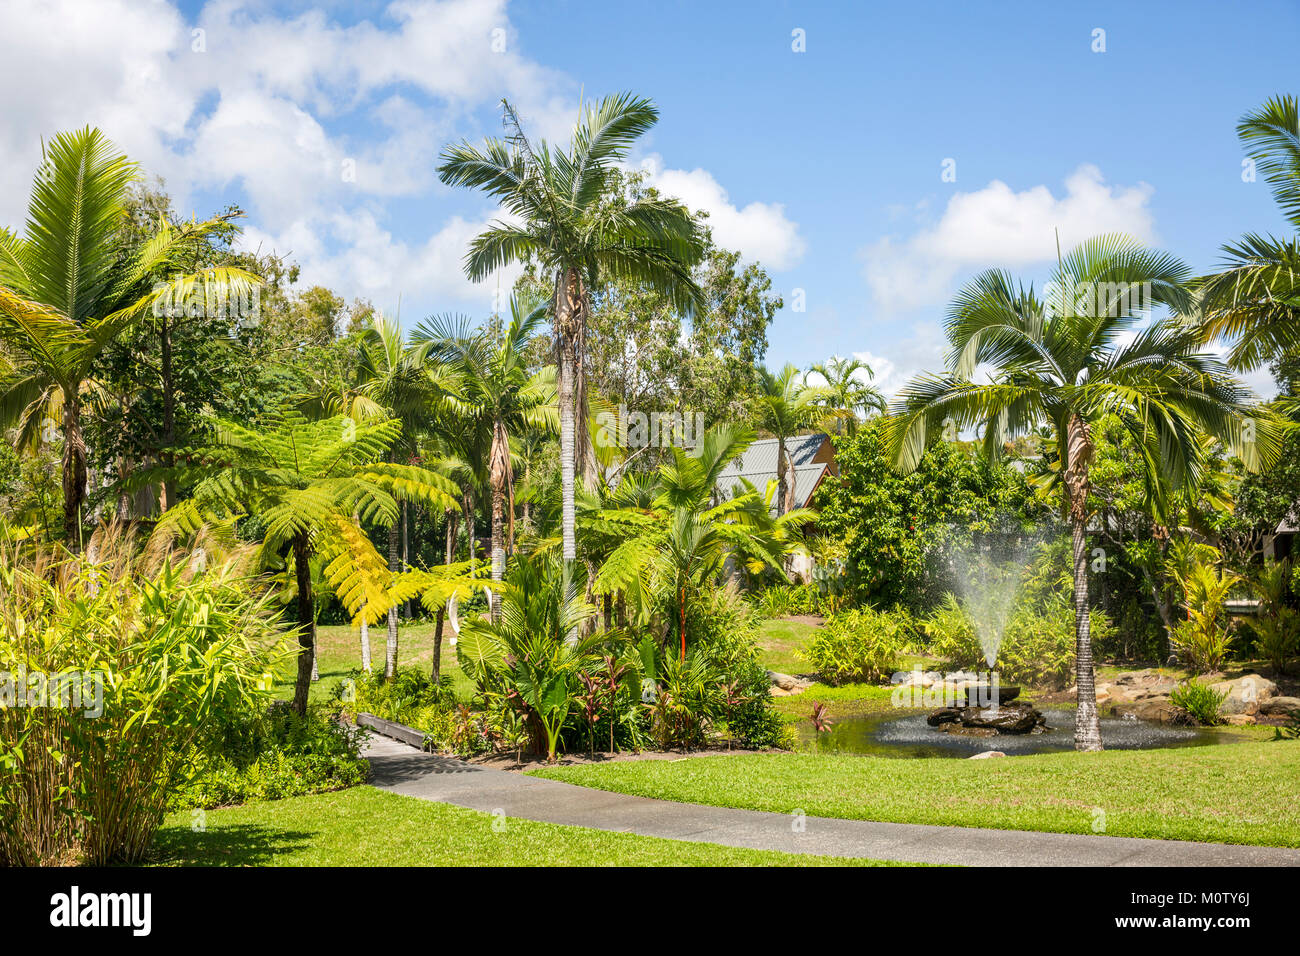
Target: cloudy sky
870,156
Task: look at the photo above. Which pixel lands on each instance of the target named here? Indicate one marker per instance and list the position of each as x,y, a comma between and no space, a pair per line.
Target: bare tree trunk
1087,727
437,643
449,546
306,625
390,651
74,471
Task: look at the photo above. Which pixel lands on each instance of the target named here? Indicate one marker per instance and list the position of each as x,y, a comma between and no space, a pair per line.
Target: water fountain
988,581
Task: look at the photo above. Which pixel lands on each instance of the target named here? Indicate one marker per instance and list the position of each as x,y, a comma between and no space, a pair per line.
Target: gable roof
813,456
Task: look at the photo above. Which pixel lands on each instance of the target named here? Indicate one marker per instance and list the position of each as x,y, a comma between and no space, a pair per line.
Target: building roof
813,456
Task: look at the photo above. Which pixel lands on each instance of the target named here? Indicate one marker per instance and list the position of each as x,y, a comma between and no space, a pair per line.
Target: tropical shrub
1277,628
1277,638
725,627
1199,701
862,645
271,755
784,600
1204,639
168,644
527,664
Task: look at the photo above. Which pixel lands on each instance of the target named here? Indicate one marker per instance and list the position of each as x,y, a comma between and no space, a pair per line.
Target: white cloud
760,231
996,226
923,351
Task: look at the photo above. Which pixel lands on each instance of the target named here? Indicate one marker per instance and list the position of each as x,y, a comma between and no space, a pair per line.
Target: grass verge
1243,793
368,827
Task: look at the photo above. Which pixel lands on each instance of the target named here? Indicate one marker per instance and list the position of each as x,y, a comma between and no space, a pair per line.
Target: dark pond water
908,735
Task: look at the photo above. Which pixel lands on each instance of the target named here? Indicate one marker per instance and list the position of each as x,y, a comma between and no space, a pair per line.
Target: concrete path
403,769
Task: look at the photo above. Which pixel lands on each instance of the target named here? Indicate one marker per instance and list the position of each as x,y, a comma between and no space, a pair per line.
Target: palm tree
1068,362
1255,298
305,481
565,221
494,387
785,406
847,392
682,541
70,285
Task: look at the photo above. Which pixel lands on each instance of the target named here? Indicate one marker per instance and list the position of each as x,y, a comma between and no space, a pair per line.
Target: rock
987,755
981,722
1280,707
783,681
961,730
1159,709
1141,685
1245,693
944,715
1239,720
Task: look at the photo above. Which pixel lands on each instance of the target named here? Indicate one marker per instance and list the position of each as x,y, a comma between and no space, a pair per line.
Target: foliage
1199,700
724,626
527,664
1277,626
1037,646
897,529
410,697
271,755
1203,640
862,645
787,600
173,643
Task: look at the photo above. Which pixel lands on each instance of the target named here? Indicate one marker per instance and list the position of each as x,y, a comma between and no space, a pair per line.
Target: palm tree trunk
781,484
1087,728
74,470
406,552
390,651
499,472
306,625
567,317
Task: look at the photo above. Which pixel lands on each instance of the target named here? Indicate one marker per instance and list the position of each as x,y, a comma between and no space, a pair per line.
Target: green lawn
339,651
368,827
778,640
1240,793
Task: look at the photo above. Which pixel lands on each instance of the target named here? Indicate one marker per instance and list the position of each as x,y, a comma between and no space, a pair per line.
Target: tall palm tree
306,481
1255,298
71,284
495,387
1067,362
565,221
847,392
784,407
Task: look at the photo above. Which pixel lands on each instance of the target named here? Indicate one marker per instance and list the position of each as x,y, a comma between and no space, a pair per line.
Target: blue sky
825,165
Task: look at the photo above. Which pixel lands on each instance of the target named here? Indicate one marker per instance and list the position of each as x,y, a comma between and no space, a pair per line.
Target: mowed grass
368,827
779,640
1243,793
338,649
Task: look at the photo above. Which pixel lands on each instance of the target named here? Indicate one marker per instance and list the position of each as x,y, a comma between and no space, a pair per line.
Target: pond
907,734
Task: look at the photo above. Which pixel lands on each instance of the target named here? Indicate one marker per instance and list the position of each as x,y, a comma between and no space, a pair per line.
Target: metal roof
758,466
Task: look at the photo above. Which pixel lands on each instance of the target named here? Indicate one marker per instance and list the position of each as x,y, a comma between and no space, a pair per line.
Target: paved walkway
403,769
